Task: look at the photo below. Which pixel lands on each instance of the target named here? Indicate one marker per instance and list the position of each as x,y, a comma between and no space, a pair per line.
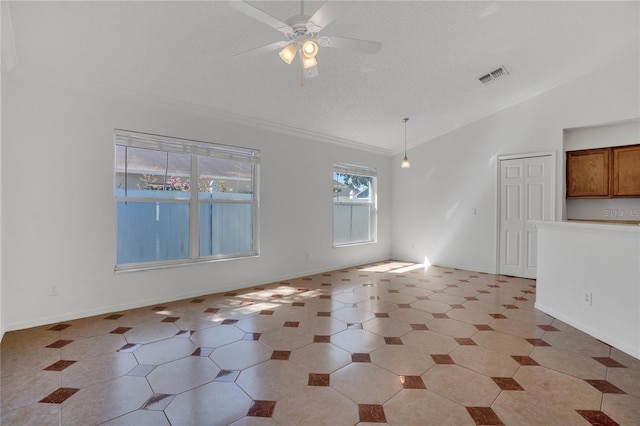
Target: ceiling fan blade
365,46
261,16
264,49
323,16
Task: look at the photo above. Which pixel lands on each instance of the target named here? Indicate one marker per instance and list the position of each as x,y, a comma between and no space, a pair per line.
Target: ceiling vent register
493,75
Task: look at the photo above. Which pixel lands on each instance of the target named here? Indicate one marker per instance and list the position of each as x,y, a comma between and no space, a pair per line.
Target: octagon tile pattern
365,345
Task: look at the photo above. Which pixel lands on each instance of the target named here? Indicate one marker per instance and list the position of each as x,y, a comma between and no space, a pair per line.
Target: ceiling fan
302,35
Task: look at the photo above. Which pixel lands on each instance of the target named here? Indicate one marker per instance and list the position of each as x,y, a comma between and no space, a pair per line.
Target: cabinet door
588,173
626,171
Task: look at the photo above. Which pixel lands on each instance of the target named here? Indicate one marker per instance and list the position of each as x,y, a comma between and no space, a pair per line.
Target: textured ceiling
432,54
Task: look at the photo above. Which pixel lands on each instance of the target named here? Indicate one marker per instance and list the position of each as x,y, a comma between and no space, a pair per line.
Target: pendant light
405,162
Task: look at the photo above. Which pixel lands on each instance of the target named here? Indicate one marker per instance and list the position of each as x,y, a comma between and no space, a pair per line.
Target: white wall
456,172
59,212
601,260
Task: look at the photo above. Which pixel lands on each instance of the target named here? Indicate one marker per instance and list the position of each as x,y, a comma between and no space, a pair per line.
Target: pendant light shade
309,48
405,161
288,53
309,62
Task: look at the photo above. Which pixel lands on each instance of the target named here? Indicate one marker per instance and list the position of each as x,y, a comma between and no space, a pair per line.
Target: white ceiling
432,54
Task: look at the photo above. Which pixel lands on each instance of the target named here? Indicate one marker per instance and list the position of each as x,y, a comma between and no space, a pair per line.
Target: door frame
554,185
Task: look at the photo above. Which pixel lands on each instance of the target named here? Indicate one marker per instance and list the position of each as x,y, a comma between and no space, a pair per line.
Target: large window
354,205
183,201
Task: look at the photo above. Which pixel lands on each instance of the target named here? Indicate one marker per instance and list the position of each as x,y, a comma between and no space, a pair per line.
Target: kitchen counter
588,276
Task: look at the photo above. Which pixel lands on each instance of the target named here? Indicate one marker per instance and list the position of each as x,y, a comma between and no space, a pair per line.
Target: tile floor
390,343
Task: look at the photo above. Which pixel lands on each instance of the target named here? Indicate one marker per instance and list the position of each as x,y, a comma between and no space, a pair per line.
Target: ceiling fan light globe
309,62
309,48
288,53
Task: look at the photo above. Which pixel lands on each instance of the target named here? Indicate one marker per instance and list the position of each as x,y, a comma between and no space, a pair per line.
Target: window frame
344,168
195,149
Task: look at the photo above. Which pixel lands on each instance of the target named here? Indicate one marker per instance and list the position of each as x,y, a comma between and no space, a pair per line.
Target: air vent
488,78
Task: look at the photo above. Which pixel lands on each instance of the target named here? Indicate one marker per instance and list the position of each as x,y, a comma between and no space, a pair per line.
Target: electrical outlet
588,298
307,256
53,290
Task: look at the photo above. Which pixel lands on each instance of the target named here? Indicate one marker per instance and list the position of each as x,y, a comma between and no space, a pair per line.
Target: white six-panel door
526,193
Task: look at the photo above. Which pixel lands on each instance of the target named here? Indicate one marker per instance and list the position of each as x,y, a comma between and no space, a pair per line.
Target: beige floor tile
322,326
411,316
309,406
525,408
89,371
105,401
217,336
36,414
413,407
400,298
562,388
357,341
403,360
320,358
374,290
196,323
137,317
431,306
151,332
16,363
623,409
164,351
484,361
627,379
240,355
387,327
92,346
286,338
27,340
140,418
22,390
215,403
181,375
260,323
366,383
430,342
351,297
272,380
452,328
578,343
352,315
625,359
378,306
461,385
522,329
504,343
569,363
294,313
469,316
482,306
530,315
255,421
88,327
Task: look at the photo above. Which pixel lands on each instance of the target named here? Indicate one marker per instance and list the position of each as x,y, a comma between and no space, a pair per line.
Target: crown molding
9,58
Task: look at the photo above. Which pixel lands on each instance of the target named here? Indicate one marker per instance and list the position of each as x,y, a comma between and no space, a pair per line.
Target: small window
182,201
354,205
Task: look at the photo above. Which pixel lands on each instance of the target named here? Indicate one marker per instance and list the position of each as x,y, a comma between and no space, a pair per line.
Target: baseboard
68,316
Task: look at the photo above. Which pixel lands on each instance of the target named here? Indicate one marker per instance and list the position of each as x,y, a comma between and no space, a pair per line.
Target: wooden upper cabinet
626,171
588,173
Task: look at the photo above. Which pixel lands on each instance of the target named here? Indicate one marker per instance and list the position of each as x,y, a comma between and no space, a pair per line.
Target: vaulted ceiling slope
428,68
